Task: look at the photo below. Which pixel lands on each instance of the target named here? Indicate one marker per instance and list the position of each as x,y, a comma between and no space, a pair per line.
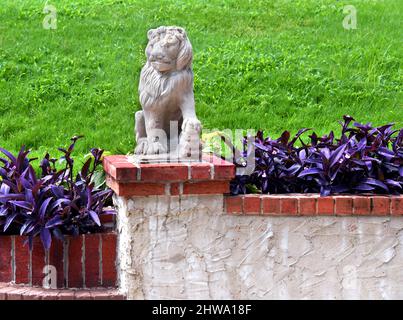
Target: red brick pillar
154,203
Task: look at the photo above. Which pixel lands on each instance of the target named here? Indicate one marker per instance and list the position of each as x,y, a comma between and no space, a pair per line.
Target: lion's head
168,49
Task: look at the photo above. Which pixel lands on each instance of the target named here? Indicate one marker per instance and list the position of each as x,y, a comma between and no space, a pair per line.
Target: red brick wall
86,261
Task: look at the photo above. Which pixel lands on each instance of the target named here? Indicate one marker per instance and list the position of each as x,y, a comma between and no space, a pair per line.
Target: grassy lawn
258,64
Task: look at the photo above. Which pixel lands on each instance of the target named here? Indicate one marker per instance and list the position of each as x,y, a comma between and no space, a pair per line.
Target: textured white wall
187,248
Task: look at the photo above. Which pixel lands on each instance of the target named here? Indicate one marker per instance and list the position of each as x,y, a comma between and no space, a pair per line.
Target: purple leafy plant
56,202
364,159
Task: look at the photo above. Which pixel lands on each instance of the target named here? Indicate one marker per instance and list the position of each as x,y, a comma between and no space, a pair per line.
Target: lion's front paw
141,147
189,145
191,125
156,148
189,150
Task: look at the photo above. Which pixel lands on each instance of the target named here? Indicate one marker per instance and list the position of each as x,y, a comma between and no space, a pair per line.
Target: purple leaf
46,238
393,183
86,166
9,155
325,191
386,153
4,189
362,144
299,133
3,211
364,187
58,202
311,171
9,220
37,187
376,182
89,196
25,226
95,217
23,204
55,221
261,146
285,136
29,196
32,175
13,186
57,191
326,153
337,155
44,206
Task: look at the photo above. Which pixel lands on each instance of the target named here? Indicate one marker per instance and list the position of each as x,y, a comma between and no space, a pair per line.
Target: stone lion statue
166,95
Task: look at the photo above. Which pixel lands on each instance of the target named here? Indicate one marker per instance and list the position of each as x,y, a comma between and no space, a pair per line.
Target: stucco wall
185,247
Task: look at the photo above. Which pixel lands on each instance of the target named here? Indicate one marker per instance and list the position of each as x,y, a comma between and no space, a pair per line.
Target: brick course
19,292
312,205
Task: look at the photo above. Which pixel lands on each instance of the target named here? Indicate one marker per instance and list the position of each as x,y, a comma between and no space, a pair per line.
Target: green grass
258,64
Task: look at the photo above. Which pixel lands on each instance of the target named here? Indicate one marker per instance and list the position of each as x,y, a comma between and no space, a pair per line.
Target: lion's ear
151,33
184,59
181,30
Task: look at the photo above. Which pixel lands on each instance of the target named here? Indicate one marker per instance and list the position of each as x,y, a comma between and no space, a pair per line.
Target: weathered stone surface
184,247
